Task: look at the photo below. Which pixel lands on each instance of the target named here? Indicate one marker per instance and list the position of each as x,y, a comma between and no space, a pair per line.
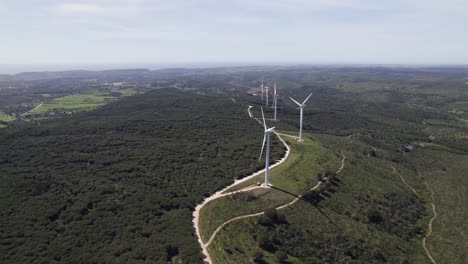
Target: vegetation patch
5,118
445,174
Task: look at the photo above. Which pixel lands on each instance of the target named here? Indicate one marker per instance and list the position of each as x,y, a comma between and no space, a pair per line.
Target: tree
281,256
257,257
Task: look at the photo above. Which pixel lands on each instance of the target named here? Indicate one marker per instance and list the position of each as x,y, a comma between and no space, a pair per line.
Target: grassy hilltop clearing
114,174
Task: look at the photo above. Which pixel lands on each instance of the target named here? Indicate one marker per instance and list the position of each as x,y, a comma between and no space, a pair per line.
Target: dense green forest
119,184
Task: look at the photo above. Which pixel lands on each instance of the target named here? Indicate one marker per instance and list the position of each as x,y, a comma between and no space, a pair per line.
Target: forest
119,184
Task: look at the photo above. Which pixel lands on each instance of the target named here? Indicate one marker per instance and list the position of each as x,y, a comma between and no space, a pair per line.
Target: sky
236,31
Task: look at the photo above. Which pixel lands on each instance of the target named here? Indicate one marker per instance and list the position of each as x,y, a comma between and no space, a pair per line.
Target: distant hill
72,74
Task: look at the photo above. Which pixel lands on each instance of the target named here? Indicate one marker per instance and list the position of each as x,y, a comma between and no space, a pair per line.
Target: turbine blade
263,116
295,101
275,88
307,98
263,146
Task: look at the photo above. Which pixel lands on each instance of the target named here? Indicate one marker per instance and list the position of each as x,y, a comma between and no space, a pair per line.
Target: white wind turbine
261,86
266,92
301,106
275,102
266,138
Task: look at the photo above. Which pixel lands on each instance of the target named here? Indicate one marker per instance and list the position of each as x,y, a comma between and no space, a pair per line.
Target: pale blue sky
176,31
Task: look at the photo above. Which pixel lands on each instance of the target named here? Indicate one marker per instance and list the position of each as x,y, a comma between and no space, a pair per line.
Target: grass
458,122
434,146
296,175
445,173
126,91
465,121
74,102
457,112
309,150
87,101
363,176
5,118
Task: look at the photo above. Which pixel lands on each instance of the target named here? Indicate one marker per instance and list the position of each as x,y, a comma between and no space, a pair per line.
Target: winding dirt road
277,208
429,230
218,194
404,181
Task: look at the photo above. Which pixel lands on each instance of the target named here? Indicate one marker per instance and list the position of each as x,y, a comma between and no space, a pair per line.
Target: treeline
119,184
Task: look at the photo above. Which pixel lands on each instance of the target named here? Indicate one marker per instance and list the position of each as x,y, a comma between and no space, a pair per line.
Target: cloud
80,8
101,8
310,5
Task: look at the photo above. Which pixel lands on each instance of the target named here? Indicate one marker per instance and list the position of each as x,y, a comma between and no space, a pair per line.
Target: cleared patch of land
74,102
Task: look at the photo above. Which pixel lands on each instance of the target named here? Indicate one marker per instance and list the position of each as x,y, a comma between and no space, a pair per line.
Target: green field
458,122
5,118
85,101
125,92
74,102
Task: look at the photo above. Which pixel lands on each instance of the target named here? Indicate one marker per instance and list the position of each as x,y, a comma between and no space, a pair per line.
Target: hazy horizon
12,69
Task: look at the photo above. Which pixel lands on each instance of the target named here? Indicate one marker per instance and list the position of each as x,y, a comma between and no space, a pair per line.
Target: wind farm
351,175
247,185
232,132
233,215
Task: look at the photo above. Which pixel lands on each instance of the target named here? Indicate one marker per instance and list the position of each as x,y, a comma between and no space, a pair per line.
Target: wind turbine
266,91
266,138
301,106
261,86
275,102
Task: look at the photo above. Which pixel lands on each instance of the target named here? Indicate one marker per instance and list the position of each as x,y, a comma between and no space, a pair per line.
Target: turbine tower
266,138
301,106
266,91
261,86
275,102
